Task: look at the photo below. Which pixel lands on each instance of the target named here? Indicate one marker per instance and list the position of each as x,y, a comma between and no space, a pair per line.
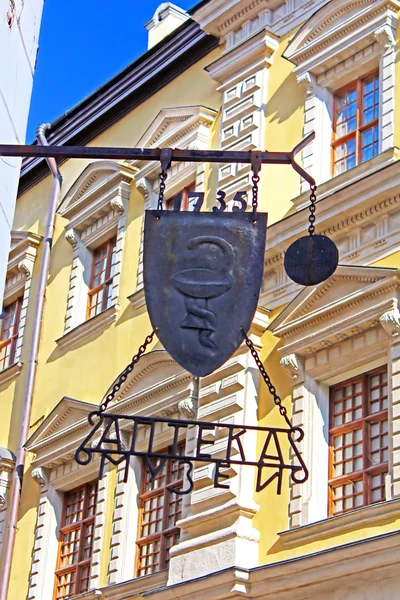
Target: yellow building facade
239,75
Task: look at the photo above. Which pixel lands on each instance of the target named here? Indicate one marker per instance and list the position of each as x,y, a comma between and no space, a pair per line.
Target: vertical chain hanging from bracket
165,160
255,167
313,258
312,208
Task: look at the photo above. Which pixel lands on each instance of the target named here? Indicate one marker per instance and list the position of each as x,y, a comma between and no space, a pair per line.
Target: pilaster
390,321
242,72
45,548
216,527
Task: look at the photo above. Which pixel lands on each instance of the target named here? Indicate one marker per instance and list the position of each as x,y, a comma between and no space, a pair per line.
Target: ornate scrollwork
294,365
390,321
40,476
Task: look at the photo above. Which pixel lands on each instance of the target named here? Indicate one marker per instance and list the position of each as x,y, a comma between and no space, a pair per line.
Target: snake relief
200,284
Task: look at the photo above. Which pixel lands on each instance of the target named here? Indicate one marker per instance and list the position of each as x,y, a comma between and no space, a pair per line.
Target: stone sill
361,517
137,299
135,587
88,328
351,176
10,372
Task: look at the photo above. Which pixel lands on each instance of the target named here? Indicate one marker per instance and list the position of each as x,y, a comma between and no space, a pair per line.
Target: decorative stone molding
26,268
71,237
294,365
86,330
307,82
21,261
183,127
385,37
371,515
235,22
335,327
40,476
390,320
45,550
359,210
10,373
188,407
7,464
96,207
242,73
339,43
217,523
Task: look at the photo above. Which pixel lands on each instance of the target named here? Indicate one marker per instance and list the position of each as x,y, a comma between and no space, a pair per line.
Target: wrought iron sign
202,278
105,439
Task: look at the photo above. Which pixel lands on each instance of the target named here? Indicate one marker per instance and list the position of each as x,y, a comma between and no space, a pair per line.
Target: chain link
311,218
254,191
124,375
162,177
271,387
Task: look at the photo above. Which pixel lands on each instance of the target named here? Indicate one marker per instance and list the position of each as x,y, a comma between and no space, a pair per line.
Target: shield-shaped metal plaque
202,279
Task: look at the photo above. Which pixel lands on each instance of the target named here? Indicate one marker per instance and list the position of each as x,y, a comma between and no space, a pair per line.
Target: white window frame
319,345
96,207
21,262
334,47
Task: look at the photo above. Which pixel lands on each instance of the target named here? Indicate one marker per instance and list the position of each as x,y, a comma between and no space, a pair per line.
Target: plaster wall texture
19,34
257,101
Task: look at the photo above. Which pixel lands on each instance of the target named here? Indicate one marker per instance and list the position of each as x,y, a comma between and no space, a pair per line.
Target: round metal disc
311,259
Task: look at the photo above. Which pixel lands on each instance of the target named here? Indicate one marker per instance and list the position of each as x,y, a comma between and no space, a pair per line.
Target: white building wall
19,33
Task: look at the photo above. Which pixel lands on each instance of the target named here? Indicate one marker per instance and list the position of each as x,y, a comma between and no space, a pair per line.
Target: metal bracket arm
210,156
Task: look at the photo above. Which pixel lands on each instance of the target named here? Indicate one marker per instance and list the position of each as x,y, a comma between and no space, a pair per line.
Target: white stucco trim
331,332
339,43
96,207
21,262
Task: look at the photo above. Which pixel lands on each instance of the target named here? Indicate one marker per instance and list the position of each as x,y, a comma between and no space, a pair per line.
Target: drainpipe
17,477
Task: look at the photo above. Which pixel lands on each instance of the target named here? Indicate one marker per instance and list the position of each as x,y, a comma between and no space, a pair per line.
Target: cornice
343,202
130,88
24,245
307,317
253,53
101,183
305,329
329,27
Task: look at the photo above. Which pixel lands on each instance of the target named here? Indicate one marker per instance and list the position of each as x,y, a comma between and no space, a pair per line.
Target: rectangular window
9,333
358,441
101,280
356,131
186,202
75,542
160,509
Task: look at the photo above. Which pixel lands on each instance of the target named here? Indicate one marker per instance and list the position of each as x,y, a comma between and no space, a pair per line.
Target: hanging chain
165,160
271,387
255,179
124,375
162,177
255,167
311,218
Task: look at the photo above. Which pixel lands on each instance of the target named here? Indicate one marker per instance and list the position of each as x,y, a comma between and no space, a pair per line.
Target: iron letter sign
105,439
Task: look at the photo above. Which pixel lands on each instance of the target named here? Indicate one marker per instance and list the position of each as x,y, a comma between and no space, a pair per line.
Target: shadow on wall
288,98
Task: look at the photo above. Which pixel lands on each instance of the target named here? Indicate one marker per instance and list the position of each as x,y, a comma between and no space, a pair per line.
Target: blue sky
82,44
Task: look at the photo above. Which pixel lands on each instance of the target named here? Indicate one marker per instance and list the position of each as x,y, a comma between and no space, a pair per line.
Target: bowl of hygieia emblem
202,283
